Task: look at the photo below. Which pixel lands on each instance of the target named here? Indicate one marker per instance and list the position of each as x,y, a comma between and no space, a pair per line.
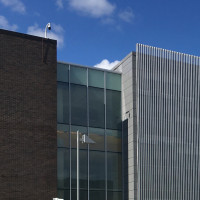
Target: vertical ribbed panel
168,85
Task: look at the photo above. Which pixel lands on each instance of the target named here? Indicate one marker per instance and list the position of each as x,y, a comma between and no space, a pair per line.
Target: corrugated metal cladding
168,124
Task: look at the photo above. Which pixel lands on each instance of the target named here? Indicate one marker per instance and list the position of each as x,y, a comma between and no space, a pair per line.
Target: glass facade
89,100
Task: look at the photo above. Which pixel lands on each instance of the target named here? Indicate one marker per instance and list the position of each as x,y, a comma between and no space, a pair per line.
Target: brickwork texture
28,155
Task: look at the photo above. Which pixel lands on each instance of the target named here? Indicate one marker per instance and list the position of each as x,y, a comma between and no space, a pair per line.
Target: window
98,136
113,81
78,75
95,78
113,109
98,195
97,170
83,169
114,167
63,103
62,72
96,107
63,162
114,195
114,140
78,105
63,135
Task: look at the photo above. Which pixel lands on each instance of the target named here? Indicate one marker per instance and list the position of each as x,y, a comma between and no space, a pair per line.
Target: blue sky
91,32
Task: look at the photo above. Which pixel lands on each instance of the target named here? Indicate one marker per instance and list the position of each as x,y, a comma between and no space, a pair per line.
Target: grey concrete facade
128,69
160,114
168,87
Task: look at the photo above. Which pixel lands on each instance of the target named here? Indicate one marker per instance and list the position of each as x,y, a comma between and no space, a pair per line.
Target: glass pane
97,195
114,140
83,195
62,135
62,72
82,130
83,168
63,163
79,105
114,195
97,170
63,103
95,78
113,109
113,81
64,194
114,167
78,75
97,135
96,107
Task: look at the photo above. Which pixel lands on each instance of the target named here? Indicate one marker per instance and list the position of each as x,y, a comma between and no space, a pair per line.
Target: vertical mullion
88,124
105,139
137,111
70,150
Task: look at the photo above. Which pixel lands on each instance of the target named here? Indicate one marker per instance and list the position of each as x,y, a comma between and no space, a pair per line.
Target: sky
100,33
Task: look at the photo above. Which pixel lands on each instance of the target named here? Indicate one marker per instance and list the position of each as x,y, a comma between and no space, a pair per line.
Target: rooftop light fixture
49,27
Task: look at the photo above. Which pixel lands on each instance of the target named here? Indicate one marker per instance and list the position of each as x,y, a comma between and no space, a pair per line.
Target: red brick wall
28,156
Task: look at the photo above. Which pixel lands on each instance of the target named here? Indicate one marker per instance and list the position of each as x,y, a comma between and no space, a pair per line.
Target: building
37,163
160,99
143,116
89,100
28,117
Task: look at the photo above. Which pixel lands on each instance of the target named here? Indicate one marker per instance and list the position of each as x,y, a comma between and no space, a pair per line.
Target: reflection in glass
96,114
64,194
78,75
113,109
63,103
114,140
95,78
113,81
114,195
98,195
97,135
97,170
114,174
63,163
62,135
62,72
78,105
96,107
83,169
83,194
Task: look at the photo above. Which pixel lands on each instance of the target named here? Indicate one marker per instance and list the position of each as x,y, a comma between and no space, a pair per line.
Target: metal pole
77,167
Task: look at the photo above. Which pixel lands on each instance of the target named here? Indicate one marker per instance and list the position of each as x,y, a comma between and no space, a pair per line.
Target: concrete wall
128,69
28,150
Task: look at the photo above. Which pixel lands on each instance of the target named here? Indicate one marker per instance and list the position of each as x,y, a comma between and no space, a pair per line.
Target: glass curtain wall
89,100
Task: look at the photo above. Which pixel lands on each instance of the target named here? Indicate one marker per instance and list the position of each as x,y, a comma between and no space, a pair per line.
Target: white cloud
94,8
56,33
4,24
15,5
105,64
126,15
59,4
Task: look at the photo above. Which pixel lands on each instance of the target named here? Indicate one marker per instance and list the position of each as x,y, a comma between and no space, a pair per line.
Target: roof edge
124,59
90,67
26,36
